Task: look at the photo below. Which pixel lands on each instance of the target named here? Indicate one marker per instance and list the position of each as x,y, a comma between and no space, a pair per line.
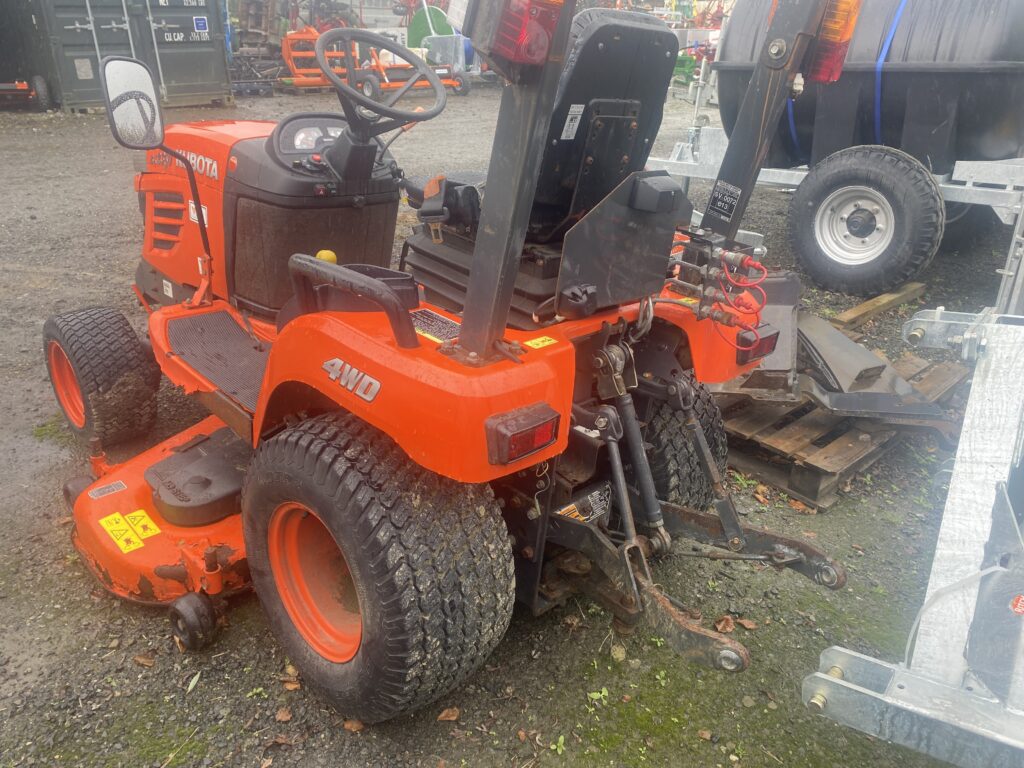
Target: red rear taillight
514,435
525,30
753,345
833,41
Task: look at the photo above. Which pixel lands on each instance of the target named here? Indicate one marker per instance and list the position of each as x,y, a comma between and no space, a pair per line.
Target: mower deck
134,549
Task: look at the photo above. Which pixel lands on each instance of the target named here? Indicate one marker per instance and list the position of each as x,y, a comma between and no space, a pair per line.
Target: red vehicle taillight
833,41
756,344
515,435
525,29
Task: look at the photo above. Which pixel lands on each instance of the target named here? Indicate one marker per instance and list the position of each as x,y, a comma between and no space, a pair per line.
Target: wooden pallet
811,453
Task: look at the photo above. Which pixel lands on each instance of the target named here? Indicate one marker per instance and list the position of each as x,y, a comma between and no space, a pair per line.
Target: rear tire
675,465
865,220
104,379
44,101
405,581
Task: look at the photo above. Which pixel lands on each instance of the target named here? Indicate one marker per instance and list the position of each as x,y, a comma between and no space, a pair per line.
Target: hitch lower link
611,566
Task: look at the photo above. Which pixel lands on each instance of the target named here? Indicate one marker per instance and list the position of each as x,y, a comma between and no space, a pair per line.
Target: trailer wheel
461,87
678,476
104,379
44,102
866,219
370,86
386,585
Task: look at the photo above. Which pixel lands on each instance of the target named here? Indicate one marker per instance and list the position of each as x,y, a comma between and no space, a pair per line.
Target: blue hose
792,129
878,70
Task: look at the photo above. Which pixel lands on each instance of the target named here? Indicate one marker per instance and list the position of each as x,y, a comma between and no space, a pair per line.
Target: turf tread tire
917,203
44,100
675,466
117,376
431,557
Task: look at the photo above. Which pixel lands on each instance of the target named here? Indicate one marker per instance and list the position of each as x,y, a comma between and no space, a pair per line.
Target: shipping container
63,41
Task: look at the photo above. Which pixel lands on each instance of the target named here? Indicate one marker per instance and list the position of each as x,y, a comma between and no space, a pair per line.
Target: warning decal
540,342
434,326
142,524
1017,605
123,534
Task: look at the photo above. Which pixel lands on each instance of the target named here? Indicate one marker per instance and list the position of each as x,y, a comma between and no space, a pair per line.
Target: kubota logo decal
203,165
351,378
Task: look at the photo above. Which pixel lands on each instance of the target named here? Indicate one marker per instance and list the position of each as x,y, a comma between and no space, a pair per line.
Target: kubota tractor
393,457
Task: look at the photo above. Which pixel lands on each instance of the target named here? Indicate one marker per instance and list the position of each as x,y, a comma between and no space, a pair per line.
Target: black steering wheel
351,98
147,111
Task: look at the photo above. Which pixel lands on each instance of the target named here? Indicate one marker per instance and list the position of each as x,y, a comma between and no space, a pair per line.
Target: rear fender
433,407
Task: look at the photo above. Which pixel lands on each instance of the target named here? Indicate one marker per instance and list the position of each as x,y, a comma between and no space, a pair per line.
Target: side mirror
133,109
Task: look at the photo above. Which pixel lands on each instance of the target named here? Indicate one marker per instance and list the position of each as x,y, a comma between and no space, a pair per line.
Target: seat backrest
607,114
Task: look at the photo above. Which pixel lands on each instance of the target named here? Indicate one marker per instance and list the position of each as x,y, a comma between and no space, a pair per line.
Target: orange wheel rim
315,583
65,384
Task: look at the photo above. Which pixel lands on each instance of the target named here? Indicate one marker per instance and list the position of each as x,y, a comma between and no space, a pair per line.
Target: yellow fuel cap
328,256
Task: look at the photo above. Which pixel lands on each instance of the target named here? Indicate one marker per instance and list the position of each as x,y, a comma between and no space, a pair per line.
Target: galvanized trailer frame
958,695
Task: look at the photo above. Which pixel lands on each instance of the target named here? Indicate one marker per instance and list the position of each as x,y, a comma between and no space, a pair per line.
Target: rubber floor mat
218,348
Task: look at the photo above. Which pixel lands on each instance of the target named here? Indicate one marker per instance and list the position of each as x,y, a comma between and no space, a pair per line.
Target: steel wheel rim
314,582
854,225
65,384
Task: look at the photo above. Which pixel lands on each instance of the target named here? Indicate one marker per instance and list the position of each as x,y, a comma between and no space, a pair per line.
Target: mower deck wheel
386,585
104,379
370,87
193,620
678,475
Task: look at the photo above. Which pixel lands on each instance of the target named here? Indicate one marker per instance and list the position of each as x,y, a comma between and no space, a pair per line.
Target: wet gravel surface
72,691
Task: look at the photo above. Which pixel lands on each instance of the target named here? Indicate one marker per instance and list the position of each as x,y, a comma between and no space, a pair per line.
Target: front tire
44,101
386,585
104,379
461,87
865,220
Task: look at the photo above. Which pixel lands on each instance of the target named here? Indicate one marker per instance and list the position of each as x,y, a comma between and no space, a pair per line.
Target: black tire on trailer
866,219
104,378
462,86
44,101
387,585
370,86
675,466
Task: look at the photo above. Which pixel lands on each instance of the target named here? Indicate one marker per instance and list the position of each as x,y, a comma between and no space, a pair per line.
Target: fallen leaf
761,498
290,682
290,670
65,521
704,734
748,701
193,682
618,652
449,715
114,644
145,659
521,735
725,625
809,534
626,698
747,624
762,489
283,715
286,741
858,548
266,762
802,508
354,726
179,645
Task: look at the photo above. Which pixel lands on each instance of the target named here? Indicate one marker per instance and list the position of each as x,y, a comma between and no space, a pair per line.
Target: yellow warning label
540,342
121,532
572,511
142,524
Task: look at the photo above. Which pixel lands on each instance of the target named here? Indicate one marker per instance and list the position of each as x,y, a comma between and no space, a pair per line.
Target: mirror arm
204,291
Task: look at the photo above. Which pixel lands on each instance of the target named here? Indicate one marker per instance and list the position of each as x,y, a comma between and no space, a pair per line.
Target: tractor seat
608,110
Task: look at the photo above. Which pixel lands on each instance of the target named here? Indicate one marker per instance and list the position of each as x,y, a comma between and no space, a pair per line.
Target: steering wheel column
354,153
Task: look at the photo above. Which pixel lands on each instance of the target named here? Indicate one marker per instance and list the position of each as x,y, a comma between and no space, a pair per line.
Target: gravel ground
73,694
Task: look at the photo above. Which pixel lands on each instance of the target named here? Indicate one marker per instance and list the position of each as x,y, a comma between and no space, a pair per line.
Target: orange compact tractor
394,457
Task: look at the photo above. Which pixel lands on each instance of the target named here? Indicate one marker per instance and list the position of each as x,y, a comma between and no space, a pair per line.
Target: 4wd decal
351,378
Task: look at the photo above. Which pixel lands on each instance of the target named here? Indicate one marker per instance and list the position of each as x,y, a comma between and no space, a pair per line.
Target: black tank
943,80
